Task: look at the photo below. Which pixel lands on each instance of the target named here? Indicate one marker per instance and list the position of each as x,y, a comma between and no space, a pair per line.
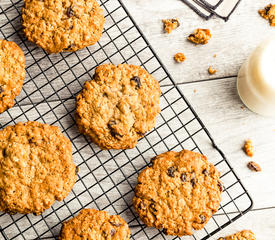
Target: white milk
256,79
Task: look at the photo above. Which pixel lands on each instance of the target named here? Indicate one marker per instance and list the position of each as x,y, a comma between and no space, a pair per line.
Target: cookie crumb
268,13
179,57
211,70
170,24
248,148
200,36
254,166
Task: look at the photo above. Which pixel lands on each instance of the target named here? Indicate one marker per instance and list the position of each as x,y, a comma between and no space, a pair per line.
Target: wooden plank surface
231,41
215,98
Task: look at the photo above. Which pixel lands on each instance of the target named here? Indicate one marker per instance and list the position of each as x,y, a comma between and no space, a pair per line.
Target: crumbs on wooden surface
268,13
254,166
211,70
179,57
200,36
248,148
170,24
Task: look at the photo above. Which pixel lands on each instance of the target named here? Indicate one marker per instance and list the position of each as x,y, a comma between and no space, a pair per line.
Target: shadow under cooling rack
106,179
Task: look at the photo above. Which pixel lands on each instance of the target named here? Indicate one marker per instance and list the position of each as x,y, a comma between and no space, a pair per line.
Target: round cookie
178,193
91,224
36,167
243,235
12,73
118,106
63,25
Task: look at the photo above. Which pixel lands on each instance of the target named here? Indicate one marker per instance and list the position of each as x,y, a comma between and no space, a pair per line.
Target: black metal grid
206,10
106,179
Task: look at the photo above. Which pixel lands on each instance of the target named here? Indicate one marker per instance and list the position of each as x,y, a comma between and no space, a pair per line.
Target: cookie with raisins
62,25
12,73
91,224
243,235
36,167
179,192
118,106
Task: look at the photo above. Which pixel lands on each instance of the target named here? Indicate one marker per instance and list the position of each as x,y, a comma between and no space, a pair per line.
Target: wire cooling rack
106,179
207,8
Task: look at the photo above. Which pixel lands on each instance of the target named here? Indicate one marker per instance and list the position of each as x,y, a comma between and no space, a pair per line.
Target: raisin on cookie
243,235
91,224
62,25
118,106
36,167
12,73
178,193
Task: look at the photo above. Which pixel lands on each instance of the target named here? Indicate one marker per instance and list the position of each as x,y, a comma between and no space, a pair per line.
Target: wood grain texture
231,41
230,123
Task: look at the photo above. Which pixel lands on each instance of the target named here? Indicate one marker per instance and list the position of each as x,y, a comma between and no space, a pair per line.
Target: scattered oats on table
211,70
170,24
179,57
268,13
248,148
200,36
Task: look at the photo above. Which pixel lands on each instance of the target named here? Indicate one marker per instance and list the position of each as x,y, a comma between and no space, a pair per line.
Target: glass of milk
256,79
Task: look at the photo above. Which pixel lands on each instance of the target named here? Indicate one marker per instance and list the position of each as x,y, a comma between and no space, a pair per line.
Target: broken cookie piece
268,13
179,57
211,70
170,24
200,36
254,166
248,148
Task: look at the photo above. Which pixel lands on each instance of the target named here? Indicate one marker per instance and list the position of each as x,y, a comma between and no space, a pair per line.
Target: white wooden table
215,99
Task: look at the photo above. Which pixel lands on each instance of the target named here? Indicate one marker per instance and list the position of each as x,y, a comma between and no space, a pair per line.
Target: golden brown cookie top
12,73
91,224
63,25
243,235
36,167
179,192
118,106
